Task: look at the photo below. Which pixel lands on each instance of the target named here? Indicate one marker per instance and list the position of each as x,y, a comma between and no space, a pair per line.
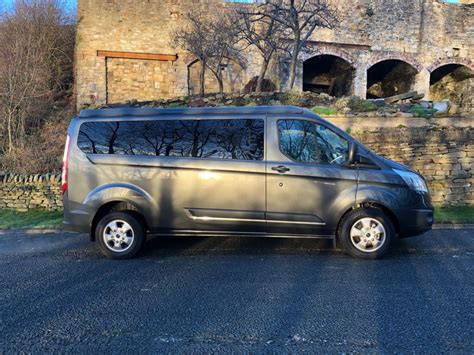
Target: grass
324,110
461,214
420,111
10,219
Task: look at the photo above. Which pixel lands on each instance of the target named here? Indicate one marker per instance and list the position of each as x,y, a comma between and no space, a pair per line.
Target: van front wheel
120,235
366,233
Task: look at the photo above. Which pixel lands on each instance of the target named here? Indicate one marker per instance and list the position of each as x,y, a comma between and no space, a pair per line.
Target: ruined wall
131,26
424,33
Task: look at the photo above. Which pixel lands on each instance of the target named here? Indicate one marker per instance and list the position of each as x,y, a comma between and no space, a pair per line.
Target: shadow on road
235,245
437,242
434,242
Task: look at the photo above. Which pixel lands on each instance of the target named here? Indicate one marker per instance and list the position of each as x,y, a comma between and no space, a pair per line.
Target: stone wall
22,193
141,79
445,156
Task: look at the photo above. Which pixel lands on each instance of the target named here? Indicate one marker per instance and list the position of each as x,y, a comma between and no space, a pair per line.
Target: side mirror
353,150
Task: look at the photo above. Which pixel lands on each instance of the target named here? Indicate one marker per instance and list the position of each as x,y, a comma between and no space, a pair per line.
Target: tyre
120,235
366,233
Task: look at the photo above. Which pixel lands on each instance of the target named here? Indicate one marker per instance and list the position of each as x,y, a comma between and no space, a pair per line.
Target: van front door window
308,142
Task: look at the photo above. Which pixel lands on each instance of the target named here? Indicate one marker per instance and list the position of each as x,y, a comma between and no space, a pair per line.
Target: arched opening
328,74
453,82
390,77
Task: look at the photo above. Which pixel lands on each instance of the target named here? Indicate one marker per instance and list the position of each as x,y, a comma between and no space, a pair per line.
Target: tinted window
217,139
308,142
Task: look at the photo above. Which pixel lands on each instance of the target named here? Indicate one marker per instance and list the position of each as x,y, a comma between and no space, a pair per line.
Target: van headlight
414,181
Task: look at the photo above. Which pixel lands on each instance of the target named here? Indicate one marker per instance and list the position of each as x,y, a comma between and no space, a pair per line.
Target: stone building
381,48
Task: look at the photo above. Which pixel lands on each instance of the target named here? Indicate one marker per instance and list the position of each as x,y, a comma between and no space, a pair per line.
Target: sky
71,4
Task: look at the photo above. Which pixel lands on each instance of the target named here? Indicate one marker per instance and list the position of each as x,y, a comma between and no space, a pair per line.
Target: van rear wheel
366,233
120,235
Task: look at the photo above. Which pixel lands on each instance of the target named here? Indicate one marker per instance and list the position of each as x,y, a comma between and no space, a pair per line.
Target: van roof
150,111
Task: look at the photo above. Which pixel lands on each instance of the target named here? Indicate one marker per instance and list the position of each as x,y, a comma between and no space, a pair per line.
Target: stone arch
452,80
329,71
452,60
336,52
403,57
389,75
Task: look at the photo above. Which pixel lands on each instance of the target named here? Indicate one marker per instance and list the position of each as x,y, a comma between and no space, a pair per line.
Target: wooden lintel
135,55
340,45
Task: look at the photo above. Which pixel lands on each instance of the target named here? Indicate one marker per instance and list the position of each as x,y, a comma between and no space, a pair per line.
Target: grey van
235,171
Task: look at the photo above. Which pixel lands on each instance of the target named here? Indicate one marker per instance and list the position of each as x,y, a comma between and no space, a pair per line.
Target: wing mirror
353,150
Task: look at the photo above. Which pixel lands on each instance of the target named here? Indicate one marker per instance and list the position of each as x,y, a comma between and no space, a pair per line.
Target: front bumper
414,222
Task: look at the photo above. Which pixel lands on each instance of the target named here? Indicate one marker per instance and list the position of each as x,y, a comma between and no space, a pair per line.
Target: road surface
57,293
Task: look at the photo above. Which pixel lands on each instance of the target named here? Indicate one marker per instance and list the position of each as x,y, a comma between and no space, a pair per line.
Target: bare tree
265,34
224,32
36,51
301,18
212,39
195,38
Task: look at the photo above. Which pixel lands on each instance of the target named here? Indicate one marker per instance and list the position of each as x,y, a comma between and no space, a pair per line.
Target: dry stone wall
445,156
26,192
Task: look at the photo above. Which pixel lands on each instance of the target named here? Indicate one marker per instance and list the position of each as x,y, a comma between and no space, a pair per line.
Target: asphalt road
57,293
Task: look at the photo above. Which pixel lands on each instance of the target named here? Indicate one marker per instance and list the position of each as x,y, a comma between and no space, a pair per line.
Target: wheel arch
371,204
117,206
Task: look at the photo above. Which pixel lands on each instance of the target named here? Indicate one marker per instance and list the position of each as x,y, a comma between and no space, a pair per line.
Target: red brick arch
329,51
452,60
404,57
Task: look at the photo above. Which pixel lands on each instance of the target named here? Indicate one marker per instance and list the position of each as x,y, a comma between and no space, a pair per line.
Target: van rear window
211,139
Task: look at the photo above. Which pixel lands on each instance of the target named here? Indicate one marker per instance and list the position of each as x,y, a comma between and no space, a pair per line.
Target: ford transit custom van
277,171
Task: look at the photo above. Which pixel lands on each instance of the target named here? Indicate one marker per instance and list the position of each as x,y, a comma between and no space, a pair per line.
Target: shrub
268,85
420,111
42,150
291,98
176,105
356,104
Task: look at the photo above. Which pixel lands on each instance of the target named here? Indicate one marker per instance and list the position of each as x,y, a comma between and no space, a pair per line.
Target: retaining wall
444,156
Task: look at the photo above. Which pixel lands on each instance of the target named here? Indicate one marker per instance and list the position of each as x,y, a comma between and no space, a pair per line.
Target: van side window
211,139
309,142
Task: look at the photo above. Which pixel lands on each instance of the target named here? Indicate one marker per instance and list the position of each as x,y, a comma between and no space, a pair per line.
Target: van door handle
281,169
